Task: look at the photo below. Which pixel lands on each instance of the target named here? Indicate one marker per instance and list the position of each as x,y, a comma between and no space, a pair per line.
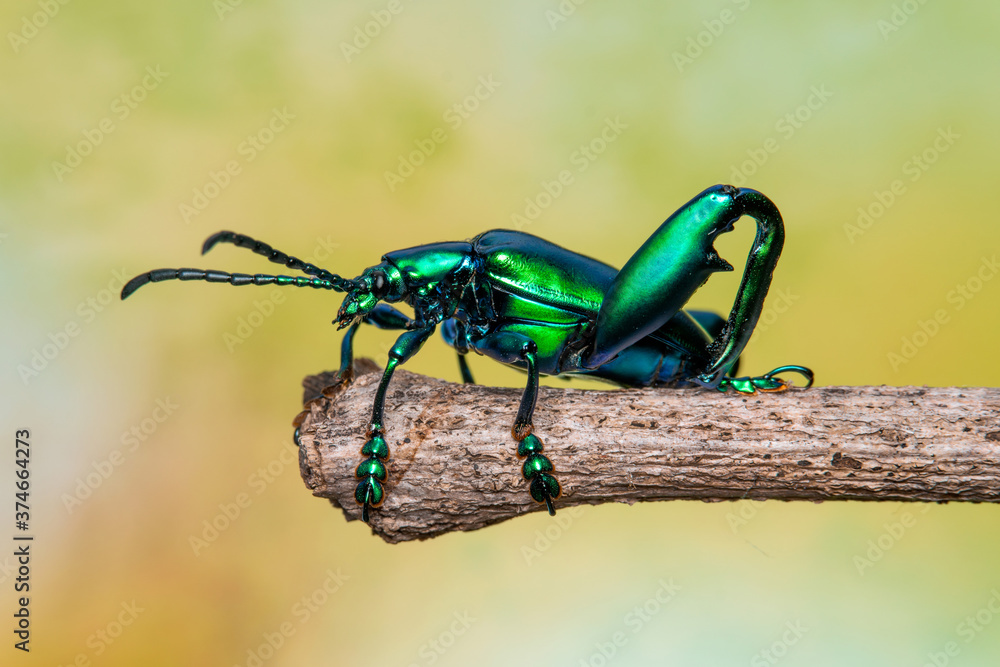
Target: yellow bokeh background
825,108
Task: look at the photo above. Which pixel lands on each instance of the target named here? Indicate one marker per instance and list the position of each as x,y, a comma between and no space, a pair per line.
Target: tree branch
454,467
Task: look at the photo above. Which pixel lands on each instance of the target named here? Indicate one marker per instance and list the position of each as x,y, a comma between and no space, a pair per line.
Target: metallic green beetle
529,303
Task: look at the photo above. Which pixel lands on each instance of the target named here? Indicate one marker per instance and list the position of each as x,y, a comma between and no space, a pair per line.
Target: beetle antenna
232,278
276,256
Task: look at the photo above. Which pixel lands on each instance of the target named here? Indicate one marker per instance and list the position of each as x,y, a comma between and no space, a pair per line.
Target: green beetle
532,304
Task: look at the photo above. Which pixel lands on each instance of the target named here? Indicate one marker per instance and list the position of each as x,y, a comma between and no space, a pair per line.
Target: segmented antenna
160,275
275,256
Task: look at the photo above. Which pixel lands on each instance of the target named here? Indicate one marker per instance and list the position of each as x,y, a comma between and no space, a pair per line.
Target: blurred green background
118,122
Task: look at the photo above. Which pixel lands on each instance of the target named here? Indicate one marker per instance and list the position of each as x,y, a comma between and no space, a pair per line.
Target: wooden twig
454,467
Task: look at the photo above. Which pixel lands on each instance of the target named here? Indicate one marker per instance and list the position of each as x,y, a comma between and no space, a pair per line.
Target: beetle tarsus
767,383
369,493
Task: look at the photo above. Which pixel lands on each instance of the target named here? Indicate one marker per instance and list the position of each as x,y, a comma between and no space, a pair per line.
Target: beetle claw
548,505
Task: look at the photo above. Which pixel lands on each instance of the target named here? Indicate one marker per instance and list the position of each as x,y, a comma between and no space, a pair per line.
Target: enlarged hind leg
713,324
674,262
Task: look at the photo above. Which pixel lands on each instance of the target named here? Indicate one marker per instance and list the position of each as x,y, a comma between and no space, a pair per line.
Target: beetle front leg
372,471
511,347
382,316
346,372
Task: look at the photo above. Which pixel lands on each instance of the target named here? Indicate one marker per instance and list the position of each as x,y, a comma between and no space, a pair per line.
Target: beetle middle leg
372,471
456,334
515,348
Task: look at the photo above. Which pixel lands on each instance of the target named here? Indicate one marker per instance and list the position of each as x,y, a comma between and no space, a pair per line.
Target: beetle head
378,283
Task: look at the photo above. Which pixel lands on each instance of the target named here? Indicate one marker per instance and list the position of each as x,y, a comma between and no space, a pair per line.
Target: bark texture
453,464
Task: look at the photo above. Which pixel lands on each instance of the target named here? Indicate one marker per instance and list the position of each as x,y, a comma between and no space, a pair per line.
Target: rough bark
453,464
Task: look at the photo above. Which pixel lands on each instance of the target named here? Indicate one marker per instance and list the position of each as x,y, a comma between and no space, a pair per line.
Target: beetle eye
380,285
